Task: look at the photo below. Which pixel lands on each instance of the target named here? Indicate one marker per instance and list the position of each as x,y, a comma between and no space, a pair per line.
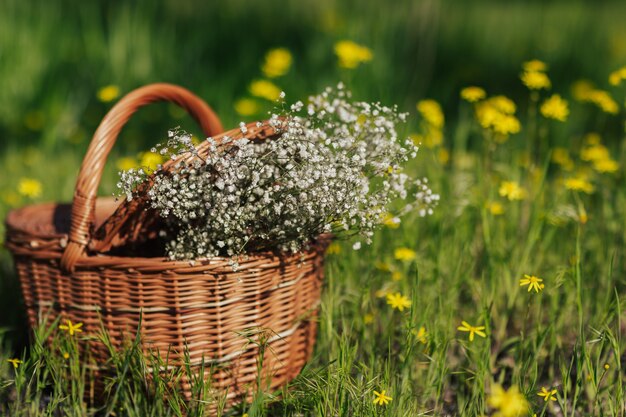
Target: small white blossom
332,166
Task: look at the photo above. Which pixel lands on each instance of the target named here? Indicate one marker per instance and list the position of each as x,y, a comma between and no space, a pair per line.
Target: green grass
468,261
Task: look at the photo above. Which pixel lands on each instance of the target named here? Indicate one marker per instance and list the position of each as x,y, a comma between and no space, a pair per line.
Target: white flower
331,167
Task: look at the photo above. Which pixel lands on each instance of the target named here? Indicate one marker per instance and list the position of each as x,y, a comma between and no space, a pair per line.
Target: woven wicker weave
63,258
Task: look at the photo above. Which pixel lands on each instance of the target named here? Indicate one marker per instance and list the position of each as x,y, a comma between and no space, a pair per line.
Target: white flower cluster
333,166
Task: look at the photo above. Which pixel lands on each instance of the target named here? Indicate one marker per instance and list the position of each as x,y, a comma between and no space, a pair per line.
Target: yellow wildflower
466,327
509,403
126,163
71,328
604,101
398,301
606,366
247,107
333,249
431,112
404,254
535,80
381,398
506,125
497,113
150,161
351,54
66,355
486,114
15,362
534,65
584,90
547,394
512,191
595,152
264,89
495,208
420,335
533,282
503,104
396,276
473,94
555,108
579,184
560,156
29,187
606,165
277,62
368,318
391,221
108,93
616,77
433,137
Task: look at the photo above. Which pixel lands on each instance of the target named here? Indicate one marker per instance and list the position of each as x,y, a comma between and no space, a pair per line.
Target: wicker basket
67,263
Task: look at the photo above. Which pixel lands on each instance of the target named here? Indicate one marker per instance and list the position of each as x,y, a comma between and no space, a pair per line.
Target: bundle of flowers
333,165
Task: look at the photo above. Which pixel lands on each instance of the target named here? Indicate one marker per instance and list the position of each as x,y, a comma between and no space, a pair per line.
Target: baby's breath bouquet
333,166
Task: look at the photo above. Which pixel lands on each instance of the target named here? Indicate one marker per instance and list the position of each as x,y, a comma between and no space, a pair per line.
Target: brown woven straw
69,262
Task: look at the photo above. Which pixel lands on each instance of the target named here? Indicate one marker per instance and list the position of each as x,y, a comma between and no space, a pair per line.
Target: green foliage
468,258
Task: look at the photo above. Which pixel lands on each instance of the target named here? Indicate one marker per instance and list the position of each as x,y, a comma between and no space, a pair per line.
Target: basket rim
15,227
12,218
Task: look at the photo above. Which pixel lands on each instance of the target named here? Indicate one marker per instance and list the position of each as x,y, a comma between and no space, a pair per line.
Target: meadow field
509,300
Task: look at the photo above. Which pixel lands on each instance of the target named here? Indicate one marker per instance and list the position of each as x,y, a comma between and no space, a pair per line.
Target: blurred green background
55,55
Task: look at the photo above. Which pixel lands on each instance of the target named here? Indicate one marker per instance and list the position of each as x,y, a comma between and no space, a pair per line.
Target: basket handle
84,203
